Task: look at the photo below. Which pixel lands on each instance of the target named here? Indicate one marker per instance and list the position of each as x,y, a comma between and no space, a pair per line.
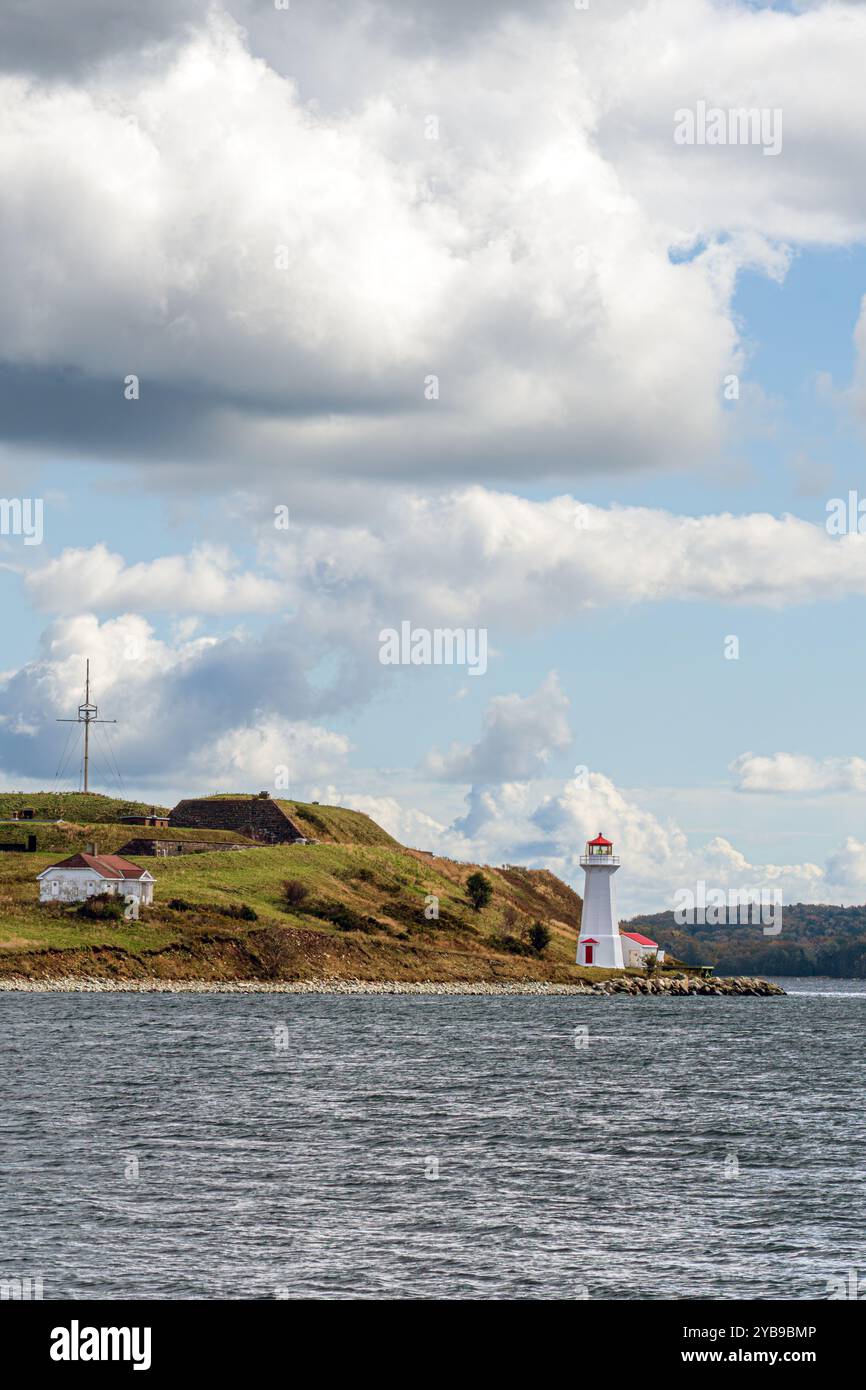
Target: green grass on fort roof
73,806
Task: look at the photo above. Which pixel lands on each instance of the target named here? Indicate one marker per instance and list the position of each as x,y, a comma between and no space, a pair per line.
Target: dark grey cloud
66,39
81,415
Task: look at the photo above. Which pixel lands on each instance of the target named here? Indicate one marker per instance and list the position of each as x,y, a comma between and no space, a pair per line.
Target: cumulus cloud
471,557
508,820
276,752
797,773
846,868
518,823
284,275
98,580
660,856
519,735
407,824
191,708
475,554
735,56
40,37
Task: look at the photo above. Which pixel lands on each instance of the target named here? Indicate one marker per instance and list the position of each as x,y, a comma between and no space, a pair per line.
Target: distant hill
815,939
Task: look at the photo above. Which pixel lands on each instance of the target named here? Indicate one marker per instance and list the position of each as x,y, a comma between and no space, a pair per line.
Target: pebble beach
678,985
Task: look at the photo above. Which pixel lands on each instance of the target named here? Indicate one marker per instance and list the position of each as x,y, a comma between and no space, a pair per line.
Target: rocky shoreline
677,985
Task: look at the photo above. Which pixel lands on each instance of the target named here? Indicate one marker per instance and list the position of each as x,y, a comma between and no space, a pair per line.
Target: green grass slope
72,806
336,824
108,836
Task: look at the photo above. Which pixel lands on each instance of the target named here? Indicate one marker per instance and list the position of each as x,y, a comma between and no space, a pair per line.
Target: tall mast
86,725
87,714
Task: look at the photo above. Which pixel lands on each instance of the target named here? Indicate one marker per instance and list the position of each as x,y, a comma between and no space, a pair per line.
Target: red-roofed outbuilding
88,874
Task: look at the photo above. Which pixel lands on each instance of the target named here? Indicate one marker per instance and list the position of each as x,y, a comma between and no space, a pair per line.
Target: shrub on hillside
479,890
343,916
294,892
238,911
539,937
347,919
512,944
105,907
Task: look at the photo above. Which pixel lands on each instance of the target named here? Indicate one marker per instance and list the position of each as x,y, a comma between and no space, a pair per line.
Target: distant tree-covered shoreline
815,939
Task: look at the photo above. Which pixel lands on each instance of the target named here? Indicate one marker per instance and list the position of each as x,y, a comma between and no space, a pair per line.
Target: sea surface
283,1146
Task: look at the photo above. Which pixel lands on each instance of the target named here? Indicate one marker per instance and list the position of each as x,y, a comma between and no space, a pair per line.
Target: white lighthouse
599,942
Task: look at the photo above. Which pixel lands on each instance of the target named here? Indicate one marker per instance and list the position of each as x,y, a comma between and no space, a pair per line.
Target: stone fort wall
258,817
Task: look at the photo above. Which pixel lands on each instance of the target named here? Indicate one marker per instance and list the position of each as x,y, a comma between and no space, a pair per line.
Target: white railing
588,859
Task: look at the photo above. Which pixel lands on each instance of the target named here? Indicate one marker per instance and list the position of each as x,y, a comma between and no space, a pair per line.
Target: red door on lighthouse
589,955
588,948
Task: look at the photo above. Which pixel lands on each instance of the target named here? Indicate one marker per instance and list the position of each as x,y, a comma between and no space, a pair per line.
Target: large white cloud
521,257
193,710
672,54
478,555
279,754
470,556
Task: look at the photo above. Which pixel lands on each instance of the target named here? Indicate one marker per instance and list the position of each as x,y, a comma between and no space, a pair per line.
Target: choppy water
185,1147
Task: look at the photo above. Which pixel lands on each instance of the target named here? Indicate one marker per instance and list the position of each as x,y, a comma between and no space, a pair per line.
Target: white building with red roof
636,948
601,942
87,875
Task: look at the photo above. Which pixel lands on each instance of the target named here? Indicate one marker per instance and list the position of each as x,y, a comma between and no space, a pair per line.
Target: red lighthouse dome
598,846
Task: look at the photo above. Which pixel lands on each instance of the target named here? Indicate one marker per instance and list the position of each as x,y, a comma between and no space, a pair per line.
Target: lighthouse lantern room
599,942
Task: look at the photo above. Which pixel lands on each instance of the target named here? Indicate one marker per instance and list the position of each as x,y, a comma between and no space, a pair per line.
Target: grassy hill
108,836
815,939
333,824
360,906
72,806
336,824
